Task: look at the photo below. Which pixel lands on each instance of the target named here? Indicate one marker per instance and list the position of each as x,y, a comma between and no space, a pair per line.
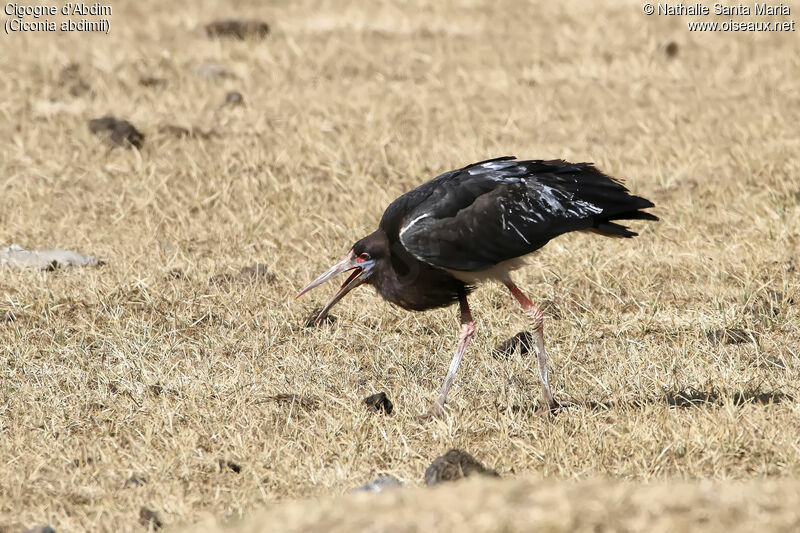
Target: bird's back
492,211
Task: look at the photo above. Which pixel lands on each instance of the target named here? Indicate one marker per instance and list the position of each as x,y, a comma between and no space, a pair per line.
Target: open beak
361,273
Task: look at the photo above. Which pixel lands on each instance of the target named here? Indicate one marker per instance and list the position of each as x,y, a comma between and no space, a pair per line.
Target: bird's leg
537,317
467,329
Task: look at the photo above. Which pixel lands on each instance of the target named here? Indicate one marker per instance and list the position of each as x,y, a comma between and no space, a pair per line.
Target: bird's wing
473,218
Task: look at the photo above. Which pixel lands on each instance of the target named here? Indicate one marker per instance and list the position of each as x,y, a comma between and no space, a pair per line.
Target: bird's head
363,260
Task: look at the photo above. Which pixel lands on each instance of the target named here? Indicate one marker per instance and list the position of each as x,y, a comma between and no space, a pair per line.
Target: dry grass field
158,366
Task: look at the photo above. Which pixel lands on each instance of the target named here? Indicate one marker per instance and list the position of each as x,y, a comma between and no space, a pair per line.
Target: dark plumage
486,213
434,243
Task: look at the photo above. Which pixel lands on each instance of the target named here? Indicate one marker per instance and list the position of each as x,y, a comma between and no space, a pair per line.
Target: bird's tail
609,228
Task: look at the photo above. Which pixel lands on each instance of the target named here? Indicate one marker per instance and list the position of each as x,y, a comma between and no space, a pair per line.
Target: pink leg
537,319
467,329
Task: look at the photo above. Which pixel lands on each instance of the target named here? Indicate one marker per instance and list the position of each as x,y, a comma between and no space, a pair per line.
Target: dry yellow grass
522,504
131,369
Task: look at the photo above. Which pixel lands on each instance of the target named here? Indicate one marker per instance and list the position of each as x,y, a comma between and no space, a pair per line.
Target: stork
435,243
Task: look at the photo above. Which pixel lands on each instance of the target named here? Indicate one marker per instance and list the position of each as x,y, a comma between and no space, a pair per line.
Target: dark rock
149,518
237,29
120,132
152,82
454,465
730,336
522,341
379,484
379,403
671,49
295,399
234,98
229,465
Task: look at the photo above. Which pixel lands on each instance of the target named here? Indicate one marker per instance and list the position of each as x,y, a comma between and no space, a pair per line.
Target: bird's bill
361,273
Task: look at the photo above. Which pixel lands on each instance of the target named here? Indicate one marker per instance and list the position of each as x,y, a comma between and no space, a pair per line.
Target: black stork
436,242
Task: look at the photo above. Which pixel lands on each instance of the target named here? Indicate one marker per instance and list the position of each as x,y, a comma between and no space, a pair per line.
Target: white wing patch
519,233
495,170
557,203
408,226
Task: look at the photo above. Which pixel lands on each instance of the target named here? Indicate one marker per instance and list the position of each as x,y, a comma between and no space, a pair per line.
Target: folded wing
476,217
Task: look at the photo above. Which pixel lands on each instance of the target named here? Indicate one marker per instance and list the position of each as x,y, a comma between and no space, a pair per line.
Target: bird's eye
362,258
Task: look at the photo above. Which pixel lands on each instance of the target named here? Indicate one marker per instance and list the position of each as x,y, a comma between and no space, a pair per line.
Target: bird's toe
553,409
436,411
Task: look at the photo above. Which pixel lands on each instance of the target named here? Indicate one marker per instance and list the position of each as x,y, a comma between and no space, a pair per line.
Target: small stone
379,484
225,464
149,518
379,403
454,465
671,49
120,132
522,341
237,29
234,98
152,82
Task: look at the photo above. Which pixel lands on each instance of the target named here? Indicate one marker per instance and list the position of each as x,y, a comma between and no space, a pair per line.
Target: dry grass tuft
524,504
151,368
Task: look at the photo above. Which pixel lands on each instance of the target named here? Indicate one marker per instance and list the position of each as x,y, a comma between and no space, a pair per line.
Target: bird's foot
553,408
436,411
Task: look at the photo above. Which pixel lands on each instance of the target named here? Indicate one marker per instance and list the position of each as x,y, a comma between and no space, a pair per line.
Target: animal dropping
119,132
435,243
379,403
